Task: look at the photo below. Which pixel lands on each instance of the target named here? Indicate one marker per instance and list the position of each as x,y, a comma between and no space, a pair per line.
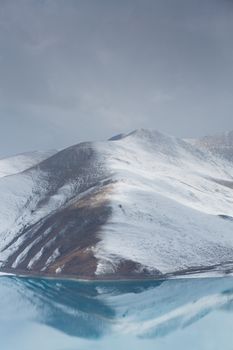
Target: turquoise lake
43,314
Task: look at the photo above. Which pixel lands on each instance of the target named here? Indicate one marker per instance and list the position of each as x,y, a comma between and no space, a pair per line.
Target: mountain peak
140,133
145,133
150,135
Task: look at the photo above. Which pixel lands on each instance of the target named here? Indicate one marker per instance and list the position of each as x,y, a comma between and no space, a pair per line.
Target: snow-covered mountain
139,205
220,144
21,162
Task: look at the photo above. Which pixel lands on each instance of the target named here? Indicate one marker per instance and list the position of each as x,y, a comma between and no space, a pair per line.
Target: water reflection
92,310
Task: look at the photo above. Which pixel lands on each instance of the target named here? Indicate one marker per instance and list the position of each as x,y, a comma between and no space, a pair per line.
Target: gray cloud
80,70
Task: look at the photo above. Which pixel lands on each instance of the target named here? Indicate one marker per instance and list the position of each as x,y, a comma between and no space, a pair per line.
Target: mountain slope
220,144
139,205
20,162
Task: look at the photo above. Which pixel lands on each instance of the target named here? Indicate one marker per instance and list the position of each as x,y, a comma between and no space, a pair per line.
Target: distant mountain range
141,205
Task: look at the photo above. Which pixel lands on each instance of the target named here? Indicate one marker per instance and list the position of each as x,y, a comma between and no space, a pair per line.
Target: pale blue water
183,314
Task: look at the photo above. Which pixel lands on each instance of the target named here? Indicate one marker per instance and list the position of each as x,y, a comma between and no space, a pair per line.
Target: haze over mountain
220,144
141,205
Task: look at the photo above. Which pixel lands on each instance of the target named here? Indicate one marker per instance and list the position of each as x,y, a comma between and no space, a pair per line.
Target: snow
21,194
166,199
24,253
59,270
52,258
166,205
220,144
6,274
35,258
18,163
40,253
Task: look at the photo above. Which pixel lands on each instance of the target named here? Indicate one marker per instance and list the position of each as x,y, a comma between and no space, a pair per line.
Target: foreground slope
141,205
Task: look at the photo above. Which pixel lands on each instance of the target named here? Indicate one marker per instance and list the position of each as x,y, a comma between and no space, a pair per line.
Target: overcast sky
85,70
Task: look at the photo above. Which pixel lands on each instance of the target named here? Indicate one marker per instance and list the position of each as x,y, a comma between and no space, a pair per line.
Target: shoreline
210,272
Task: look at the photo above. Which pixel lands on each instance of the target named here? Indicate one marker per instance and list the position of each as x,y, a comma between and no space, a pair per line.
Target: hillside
141,205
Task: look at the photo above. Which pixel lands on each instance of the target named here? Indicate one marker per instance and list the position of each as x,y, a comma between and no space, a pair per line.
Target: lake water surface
184,314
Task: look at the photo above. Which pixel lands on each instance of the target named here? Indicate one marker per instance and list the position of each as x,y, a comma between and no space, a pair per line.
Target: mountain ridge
140,205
